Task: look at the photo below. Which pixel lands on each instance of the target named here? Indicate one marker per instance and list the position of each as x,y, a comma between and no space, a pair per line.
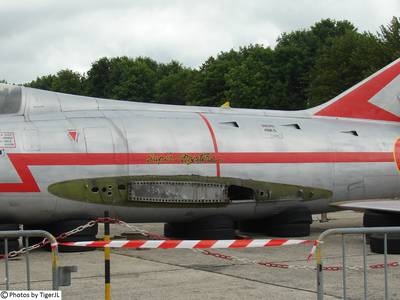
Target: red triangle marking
73,135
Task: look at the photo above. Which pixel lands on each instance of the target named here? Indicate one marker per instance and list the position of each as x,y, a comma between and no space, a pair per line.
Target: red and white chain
45,241
393,264
141,231
80,228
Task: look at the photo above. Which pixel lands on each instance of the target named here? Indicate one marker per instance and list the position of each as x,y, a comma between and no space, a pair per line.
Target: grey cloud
42,37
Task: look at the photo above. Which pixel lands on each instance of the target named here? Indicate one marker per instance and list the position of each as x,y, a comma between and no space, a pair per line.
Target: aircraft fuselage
67,164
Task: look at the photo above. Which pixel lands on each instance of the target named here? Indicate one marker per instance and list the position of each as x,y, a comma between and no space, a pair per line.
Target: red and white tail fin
375,98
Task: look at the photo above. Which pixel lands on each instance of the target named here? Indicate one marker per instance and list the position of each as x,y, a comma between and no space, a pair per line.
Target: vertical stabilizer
375,98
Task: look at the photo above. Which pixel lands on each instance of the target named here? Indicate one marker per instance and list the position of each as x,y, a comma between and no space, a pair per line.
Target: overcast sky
39,37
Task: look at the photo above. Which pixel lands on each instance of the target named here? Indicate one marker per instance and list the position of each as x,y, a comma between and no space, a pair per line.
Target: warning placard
7,140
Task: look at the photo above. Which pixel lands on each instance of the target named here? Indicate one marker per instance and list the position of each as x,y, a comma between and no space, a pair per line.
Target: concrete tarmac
188,274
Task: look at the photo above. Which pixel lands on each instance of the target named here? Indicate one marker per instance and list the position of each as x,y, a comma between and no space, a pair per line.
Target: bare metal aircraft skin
72,157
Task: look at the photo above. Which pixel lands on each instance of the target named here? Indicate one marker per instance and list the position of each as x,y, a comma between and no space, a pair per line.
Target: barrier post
320,279
107,275
6,262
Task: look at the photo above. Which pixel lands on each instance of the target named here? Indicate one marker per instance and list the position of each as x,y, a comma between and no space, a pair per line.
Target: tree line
306,68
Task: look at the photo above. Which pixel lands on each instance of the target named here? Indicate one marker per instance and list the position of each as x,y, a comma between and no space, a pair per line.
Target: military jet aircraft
66,157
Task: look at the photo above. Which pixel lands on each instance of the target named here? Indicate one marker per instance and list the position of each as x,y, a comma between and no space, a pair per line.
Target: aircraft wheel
212,222
5,227
290,223
214,228
251,226
34,240
13,243
288,230
292,216
213,234
175,230
376,219
377,243
279,230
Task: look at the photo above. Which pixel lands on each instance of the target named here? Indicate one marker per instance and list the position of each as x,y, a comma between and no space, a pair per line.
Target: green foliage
134,79
345,61
306,68
43,82
140,79
174,85
248,83
65,81
296,53
3,81
122,78
210,86
390,37
98,80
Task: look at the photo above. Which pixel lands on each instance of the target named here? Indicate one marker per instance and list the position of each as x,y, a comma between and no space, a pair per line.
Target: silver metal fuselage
280,147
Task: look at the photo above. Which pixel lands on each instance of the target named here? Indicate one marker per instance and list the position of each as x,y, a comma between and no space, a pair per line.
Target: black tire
175,230
256,226
72,249
5,227
206,234
289,230
290,223
212,222
292,216
377,243
212,234
378,219
36,239
60,227
13,245
215,227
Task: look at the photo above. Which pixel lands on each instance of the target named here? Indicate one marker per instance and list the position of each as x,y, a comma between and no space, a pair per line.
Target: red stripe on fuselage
214,140
304,157
22,161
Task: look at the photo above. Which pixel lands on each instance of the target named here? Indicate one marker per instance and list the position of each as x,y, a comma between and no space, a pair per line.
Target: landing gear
376,241
210,228
290,223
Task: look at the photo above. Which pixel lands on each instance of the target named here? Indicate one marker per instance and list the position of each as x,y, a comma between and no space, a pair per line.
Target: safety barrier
158,242
174,244
346,231
61,276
